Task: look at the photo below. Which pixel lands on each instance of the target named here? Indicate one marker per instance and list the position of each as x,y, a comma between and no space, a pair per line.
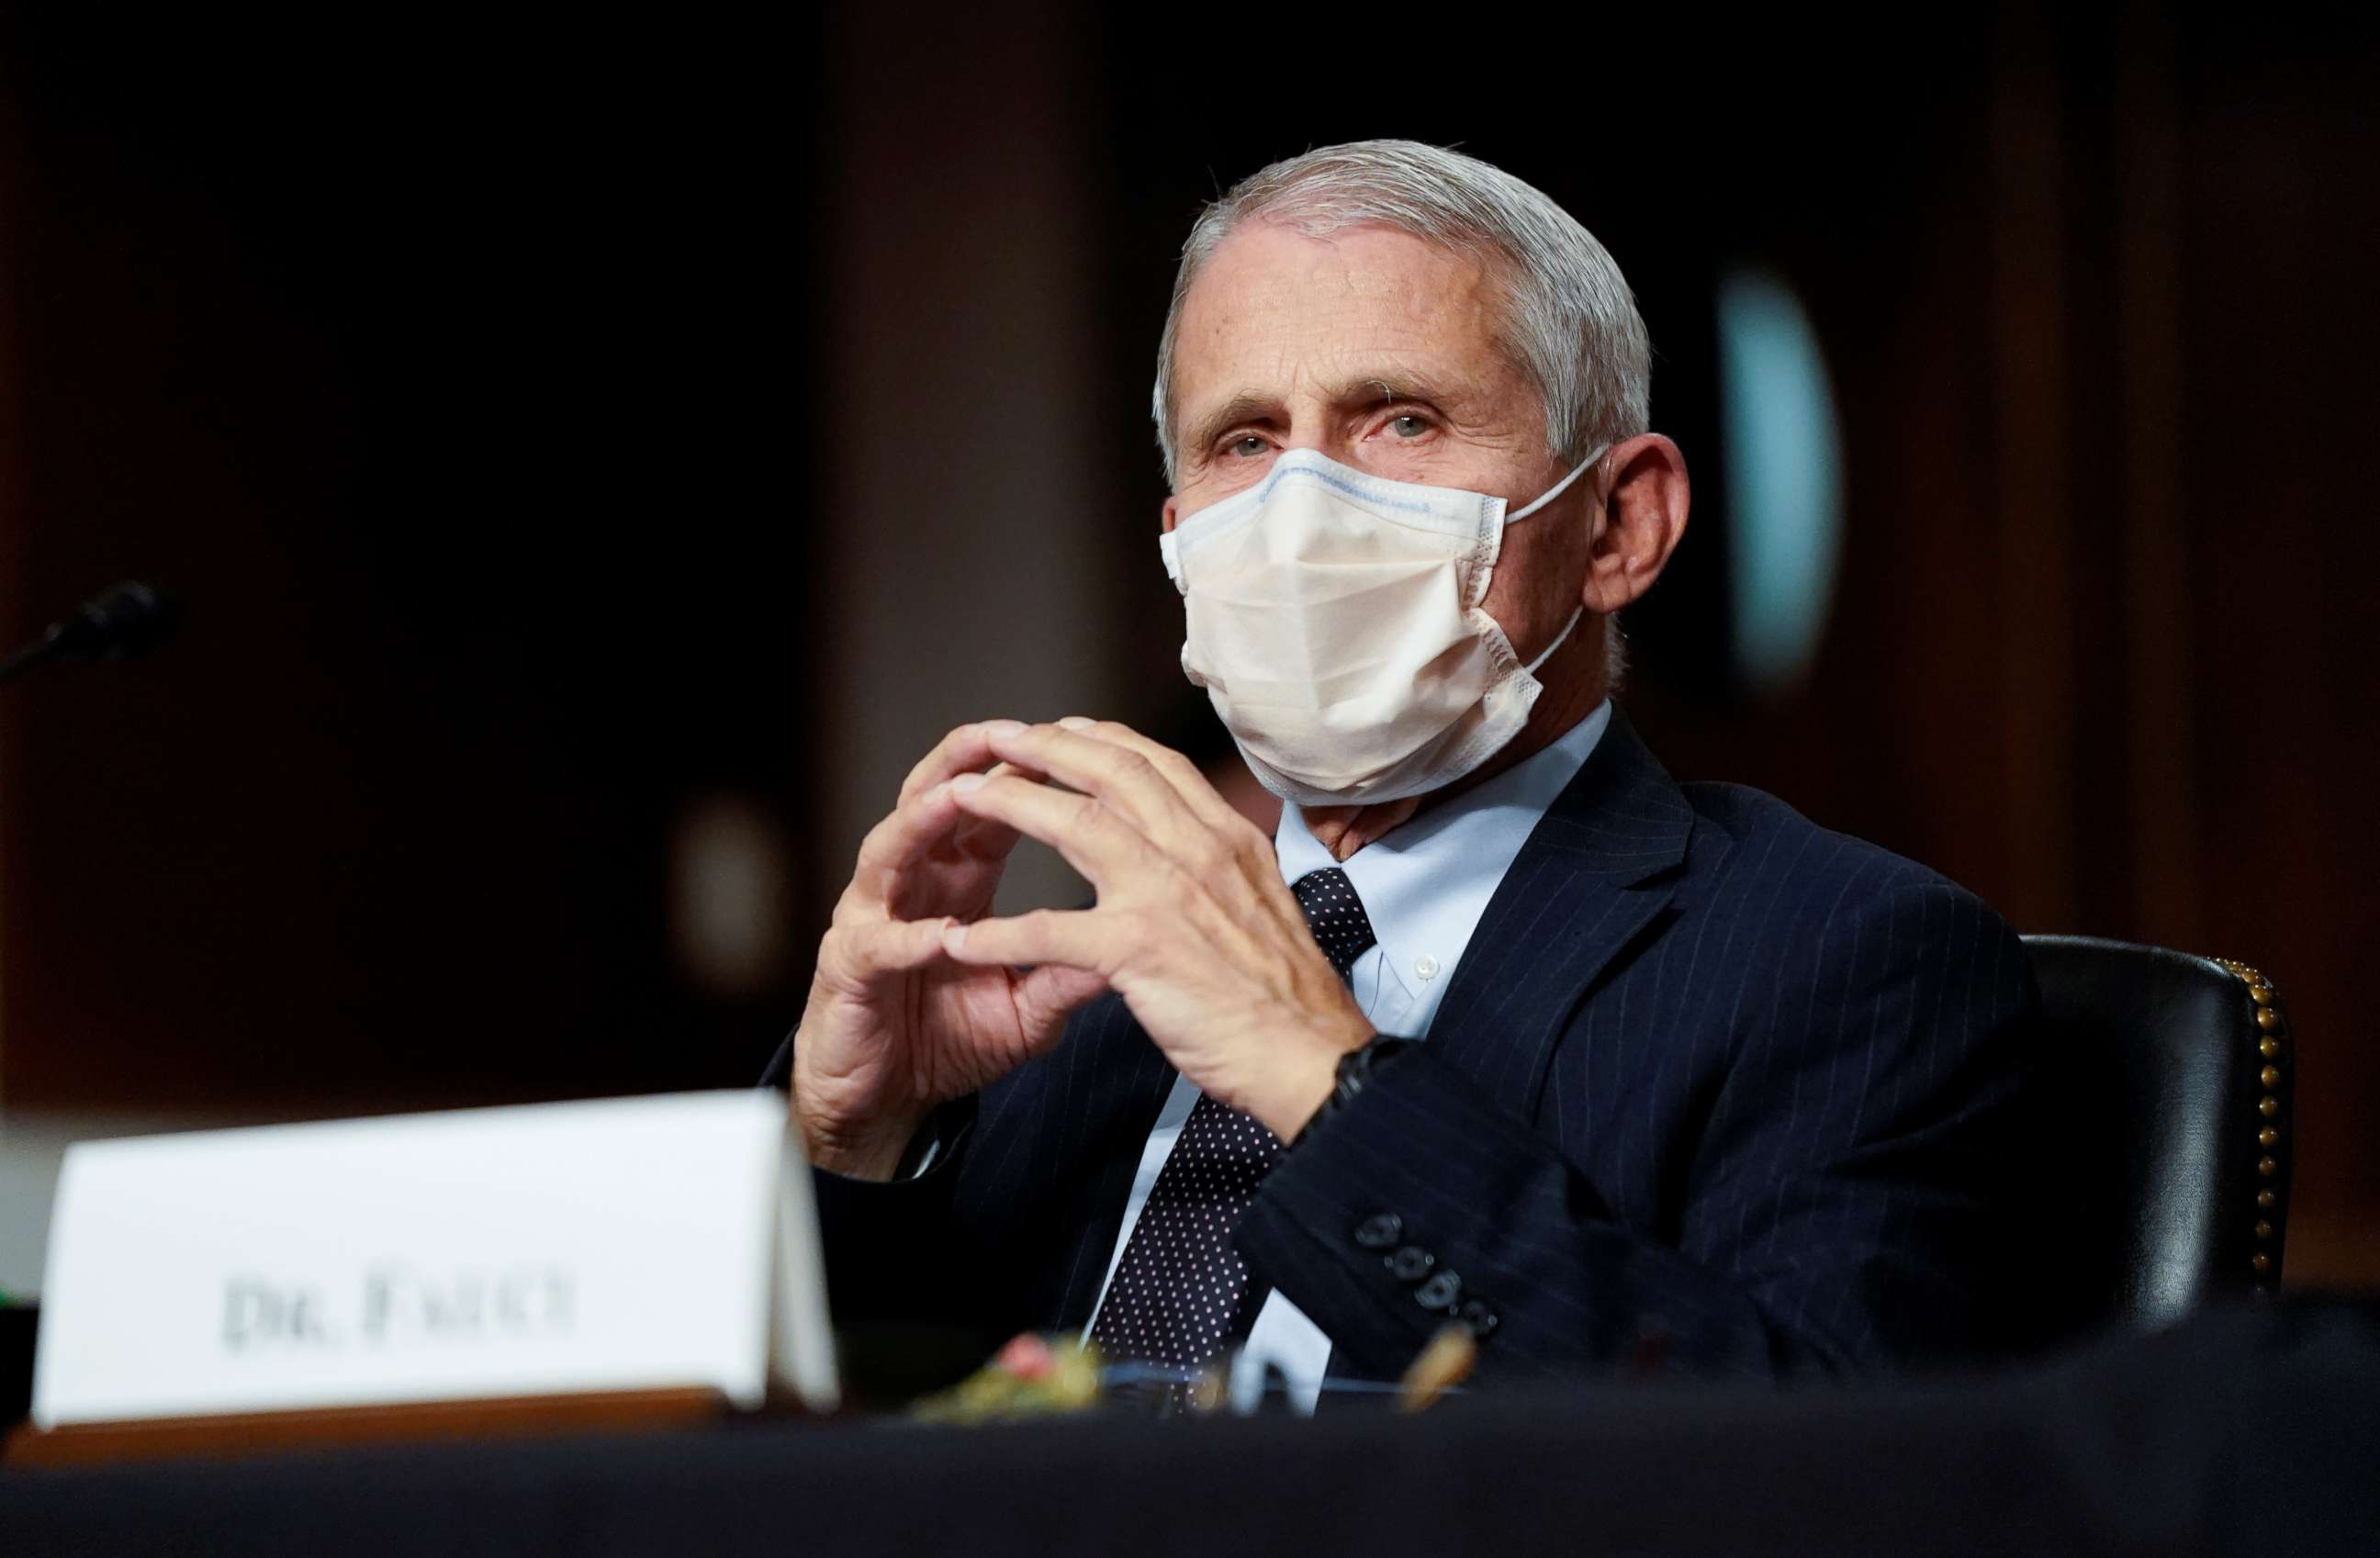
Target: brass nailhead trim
2270,1030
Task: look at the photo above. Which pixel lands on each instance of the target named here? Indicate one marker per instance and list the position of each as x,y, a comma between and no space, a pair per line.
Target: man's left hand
1193,926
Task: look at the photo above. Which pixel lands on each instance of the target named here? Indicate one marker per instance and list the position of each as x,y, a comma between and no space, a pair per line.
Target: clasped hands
920,997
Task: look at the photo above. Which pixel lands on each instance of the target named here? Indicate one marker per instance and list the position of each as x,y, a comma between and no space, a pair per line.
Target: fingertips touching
893,946
965,747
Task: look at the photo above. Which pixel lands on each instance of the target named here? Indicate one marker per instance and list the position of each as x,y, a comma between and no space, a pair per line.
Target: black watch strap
1357,1069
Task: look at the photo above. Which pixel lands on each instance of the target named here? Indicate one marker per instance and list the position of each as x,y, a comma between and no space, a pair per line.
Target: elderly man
1504,1027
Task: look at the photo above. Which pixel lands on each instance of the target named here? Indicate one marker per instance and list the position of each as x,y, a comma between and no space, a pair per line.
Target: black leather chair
2179,1070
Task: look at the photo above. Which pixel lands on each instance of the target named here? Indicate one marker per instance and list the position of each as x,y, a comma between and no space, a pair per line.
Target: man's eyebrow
1238,409
1371,390
1377,387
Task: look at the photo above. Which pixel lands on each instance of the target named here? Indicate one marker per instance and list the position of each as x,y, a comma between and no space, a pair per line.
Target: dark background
599,458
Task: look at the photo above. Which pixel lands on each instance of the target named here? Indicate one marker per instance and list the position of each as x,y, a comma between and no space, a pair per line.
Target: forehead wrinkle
1279,322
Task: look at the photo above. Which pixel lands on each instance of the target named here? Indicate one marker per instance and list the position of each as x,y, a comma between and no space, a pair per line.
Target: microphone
130,619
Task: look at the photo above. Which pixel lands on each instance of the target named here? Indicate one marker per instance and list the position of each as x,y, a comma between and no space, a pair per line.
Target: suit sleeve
891,1250
887,1247
1848,1202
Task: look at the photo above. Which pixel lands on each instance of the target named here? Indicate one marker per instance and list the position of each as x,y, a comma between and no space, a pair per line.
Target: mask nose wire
1558,488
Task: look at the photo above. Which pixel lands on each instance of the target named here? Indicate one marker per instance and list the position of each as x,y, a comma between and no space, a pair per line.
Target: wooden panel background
504,400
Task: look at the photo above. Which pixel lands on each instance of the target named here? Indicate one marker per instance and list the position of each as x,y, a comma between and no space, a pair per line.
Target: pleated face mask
1335,621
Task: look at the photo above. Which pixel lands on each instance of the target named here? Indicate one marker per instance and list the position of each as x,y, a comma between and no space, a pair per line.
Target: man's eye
1409,426
1247,448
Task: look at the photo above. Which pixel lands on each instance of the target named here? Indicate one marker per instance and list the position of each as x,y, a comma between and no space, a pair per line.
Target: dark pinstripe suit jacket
1711,1084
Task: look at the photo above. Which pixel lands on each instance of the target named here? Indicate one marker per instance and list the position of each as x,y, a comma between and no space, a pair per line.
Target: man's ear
1170,516
1639,524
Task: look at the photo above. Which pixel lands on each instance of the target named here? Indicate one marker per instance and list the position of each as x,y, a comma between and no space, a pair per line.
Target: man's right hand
893,1027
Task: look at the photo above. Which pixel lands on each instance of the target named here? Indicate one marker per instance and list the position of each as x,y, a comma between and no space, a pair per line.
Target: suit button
1480,1317
1379,1230
1411,1263
1440,1292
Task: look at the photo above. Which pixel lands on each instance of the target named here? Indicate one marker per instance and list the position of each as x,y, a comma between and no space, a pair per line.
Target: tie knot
1335,915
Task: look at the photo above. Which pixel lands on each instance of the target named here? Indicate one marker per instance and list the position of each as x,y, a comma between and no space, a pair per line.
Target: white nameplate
619,1245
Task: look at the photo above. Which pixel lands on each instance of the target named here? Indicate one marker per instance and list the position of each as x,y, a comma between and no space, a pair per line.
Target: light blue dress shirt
1424,887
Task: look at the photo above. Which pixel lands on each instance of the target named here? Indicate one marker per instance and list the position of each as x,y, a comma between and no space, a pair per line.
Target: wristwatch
1357,1069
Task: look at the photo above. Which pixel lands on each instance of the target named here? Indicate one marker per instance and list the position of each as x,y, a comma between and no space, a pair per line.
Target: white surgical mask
1335,621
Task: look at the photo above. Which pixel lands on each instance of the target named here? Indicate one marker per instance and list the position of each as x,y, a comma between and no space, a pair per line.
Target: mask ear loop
1557,489
1576,616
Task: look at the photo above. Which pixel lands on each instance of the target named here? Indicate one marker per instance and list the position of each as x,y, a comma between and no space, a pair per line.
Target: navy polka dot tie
1179,1292
1335,915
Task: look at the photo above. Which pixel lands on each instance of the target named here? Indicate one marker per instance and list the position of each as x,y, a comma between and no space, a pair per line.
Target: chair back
2181,1071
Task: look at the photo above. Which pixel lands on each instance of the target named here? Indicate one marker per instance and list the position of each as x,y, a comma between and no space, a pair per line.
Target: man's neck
1572,693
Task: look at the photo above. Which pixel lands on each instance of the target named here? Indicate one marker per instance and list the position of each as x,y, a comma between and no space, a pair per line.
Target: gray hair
1571,324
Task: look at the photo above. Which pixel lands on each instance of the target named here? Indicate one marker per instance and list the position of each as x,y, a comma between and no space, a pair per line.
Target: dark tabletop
2251,1431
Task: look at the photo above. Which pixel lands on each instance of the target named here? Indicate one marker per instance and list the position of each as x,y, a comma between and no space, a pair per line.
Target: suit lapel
1599,865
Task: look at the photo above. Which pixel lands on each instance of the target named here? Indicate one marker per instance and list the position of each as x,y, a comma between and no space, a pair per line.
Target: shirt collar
1427,883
